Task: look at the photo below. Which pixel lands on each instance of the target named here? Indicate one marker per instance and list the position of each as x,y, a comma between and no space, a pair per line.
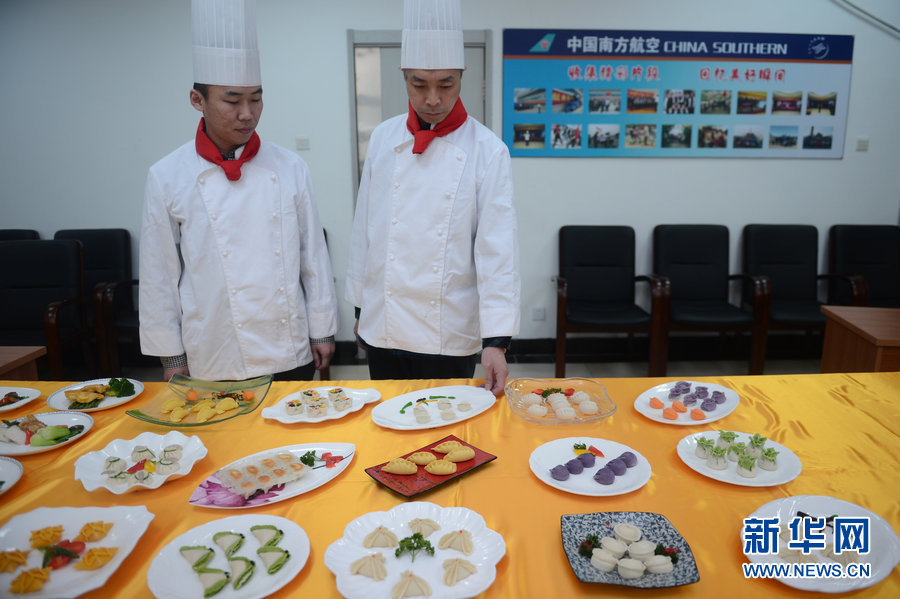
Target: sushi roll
294,407
336,393
342,403
142,452
171,452
166,467
316,409
113,465
310,395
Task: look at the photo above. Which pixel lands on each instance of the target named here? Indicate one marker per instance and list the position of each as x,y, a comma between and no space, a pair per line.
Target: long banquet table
844,427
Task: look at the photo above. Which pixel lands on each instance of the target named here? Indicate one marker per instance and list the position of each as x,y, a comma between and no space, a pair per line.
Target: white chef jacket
434,259
234,273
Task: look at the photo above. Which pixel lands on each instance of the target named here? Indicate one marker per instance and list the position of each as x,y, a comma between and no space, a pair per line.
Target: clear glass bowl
517,389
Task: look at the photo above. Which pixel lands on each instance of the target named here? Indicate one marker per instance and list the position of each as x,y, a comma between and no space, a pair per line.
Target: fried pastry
441,467
93,531
423,526
95,558
460,454
422,458
380,537
410,585
371,566
446,446
461,540
456,569
400,466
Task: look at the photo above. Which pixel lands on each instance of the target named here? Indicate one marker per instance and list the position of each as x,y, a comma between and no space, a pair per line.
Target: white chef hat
225,48
432,35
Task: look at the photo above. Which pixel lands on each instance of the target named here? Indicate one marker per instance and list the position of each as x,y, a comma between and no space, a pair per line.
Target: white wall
94,91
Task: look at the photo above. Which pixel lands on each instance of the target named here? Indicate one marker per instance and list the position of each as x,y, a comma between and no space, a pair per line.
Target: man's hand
169,372
493,360
322,354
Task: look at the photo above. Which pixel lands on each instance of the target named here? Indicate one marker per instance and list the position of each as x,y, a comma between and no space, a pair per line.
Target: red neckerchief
207,149
423,137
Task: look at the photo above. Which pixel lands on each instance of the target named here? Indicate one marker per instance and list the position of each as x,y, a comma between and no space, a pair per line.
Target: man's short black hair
203,88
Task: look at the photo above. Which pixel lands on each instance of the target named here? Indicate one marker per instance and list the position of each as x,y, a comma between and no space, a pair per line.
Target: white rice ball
557,396
580,396
567,413
588,407
537,410
532,399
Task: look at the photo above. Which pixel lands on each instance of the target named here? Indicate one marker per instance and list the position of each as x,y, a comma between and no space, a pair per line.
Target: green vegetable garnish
403,409
738,448
586,547
548,392
120,387
670,551
770,454
309,458
414,545
717,452
747,462
757,440
52,551
727,436
579,446
705,443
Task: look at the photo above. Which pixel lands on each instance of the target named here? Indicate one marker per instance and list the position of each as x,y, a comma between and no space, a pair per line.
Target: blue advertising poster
675,93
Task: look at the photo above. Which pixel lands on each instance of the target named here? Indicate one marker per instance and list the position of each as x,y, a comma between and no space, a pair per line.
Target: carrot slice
697,414
656,403
679,407
670,414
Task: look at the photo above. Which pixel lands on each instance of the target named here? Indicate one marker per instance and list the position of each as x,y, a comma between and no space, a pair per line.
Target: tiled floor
587,370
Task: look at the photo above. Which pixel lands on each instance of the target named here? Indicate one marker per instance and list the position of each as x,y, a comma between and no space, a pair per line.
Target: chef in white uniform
433,269
235,278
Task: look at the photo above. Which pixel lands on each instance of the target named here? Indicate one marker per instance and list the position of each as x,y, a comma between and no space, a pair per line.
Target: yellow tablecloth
844,427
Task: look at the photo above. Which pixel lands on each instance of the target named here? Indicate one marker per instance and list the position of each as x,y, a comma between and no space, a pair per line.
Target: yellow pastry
93,531
206,403
95,558
461,540
171,404
226,404
460,454
371,566
178,414
29,581
206,412
441,467
10,560
423,526
46,536
400,466
380,537
422,458
447,446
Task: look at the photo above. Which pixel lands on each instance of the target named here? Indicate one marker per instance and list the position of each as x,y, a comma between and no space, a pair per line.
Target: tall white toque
225,48
432,35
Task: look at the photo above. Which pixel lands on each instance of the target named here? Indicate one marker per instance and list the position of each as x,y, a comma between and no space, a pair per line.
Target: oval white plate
51,419
642,404
129,523
884,554
171,577
489,548
212,494
789,465
27,393
89,467
359,398
560,451
387,413
58,400
10,472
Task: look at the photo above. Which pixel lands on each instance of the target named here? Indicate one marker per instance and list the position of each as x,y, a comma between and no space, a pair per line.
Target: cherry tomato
569,392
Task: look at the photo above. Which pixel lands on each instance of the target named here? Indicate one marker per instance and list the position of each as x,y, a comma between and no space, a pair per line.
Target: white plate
58,400
789,465
884,545
170,576
51,419
642,404
129,523
489,548
26,392
212,494
10,472
560,451
89,467
387,413
359,398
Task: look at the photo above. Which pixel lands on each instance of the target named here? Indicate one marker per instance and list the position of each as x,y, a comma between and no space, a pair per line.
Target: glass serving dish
247,395
517,389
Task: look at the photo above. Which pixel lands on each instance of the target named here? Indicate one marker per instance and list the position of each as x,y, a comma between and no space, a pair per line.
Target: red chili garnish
331,460
137,467
569,392
538,391
28,435
596,451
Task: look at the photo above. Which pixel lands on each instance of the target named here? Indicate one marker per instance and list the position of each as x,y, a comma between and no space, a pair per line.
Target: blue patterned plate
655,527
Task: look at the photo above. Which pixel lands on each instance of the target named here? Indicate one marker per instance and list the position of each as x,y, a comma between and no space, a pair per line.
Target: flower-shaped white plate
489,548
211,493
789,465
26,393
89,467
560,451
388,413
171,577
58,400
10,472
358,397
51,419
642,404
884,554
129,523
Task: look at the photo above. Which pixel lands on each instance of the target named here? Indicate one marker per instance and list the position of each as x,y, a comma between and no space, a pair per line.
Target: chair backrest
18,234
107,254
788,255
34,274
597,262
872,251
695,258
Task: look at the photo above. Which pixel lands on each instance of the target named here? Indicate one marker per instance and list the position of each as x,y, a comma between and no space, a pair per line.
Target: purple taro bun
629,458
587,459
559,472
617,466
575,466
605,476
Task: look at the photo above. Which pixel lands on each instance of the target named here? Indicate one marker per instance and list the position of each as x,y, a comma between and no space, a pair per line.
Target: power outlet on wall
538,314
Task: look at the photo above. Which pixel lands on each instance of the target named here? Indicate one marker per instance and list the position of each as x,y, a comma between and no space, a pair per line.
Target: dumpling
456,569
93,531
460,454
380,537
422,458
446,446
400,466
441,467
10,560
46,536
423,526
410,585
371,566
95,558
461,540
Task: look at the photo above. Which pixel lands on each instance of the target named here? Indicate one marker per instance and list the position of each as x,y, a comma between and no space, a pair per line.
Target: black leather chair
107,266
695,260
42,298
596,291
18,234
870,255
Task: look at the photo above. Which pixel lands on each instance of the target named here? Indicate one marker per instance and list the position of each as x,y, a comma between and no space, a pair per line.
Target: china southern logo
544,44
818,47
